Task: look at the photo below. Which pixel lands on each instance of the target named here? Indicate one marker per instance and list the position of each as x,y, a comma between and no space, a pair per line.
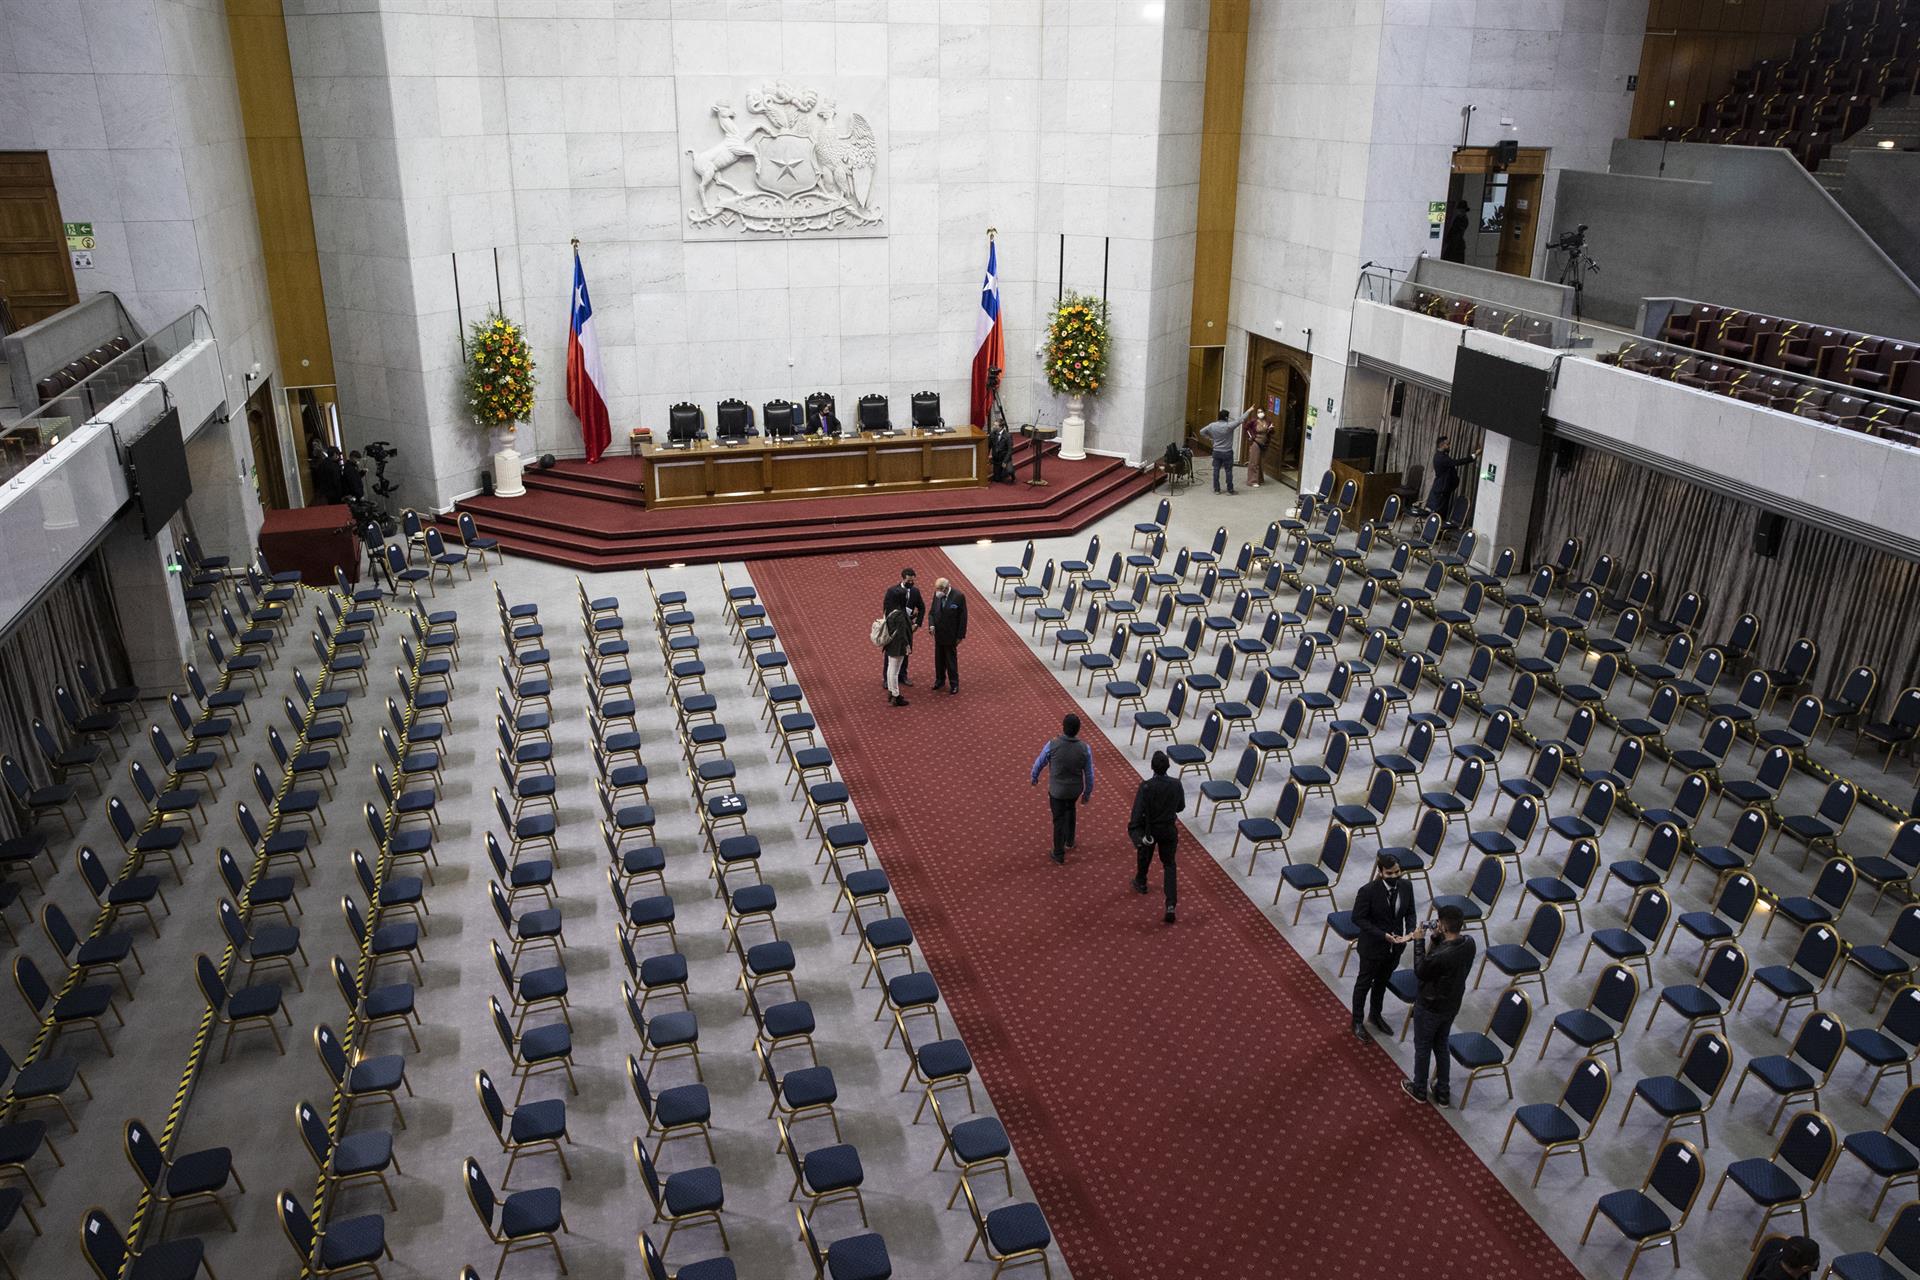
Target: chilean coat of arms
801,167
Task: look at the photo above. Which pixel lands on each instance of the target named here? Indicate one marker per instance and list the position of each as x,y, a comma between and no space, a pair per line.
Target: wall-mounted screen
1502,396
157,472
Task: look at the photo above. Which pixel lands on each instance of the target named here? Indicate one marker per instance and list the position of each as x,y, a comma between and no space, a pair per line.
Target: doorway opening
1503,206
269,464
1206,375
1278,379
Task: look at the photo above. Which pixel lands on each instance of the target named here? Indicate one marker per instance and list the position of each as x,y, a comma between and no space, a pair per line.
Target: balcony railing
27,440
1878,414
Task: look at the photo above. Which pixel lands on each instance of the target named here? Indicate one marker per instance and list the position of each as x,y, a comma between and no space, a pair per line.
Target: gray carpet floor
247,1102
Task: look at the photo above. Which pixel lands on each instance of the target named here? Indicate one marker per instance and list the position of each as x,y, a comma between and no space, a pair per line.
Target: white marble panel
152,185
864,360
166,256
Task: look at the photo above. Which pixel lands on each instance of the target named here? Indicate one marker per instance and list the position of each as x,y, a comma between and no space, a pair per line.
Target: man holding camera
1442,958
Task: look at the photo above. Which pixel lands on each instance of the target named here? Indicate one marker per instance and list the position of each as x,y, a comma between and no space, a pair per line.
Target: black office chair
734,421
686,423
816,402
782,419
873,414
926,411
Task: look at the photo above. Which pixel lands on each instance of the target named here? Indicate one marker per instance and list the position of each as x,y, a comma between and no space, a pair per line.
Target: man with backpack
893,633
905,595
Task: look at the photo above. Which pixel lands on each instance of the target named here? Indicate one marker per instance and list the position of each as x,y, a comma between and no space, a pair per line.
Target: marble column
157,631
1503,507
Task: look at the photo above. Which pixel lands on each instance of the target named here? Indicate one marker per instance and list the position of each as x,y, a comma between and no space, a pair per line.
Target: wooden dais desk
1372,489
813,467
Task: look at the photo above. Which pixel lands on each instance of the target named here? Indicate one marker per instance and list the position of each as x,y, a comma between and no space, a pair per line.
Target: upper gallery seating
1866,52
1829,375
1475,314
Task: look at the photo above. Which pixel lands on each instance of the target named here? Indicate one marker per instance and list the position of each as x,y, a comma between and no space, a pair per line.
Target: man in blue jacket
1069,766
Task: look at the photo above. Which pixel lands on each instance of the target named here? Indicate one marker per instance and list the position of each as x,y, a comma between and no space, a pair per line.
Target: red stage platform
593,517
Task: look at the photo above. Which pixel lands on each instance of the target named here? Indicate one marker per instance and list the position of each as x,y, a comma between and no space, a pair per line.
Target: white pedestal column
507,469
1073,430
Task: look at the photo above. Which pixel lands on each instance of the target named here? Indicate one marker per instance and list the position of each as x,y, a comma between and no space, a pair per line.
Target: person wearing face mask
905,595
1383,914
947,619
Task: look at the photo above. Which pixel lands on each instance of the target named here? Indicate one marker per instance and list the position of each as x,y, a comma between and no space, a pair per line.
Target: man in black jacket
1446,479
1786,1258
947,619
1442,958
1154,825
1383,913
905,595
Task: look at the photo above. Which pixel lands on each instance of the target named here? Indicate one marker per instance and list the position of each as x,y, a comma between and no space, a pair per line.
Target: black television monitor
157,472
1501,396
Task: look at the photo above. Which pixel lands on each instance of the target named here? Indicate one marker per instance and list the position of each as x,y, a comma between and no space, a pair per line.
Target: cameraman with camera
1442,958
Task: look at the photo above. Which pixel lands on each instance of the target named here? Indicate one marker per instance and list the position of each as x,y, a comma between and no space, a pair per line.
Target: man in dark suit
1155,825
905,595
1383,913
826,422
1446,479
947,619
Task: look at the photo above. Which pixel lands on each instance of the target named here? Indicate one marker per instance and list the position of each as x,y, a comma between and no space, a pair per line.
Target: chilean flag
584,384
989,338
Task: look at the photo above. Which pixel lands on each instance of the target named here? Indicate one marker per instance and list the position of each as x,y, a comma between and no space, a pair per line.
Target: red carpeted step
1187,1100
598,524
623,526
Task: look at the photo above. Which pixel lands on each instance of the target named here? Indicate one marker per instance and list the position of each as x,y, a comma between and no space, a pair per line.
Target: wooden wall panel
1693,47
1219,169
277,160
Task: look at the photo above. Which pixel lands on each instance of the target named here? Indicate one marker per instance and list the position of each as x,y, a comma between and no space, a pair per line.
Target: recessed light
1886,144
678,564
983,542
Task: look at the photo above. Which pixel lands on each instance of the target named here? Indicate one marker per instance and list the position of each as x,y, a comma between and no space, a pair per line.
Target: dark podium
312,540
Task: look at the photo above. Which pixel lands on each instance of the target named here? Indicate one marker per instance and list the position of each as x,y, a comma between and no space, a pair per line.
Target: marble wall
443,133
134,102
1353,108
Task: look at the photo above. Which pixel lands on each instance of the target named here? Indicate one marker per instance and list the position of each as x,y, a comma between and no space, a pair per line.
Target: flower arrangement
500,373
1077,345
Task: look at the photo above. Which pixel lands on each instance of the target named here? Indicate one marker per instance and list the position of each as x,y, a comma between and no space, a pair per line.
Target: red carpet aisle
1187,1101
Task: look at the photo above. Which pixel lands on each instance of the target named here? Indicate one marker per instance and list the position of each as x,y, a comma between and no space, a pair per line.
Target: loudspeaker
1399,404
545,463
486,484
1505,152
1356,444
1768,532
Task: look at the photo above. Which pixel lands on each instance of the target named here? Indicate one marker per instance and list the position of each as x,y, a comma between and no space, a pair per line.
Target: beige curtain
74,623
1425,416
1860,606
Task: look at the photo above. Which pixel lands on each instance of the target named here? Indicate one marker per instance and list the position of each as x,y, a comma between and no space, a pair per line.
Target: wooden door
265,437
1519,184
36,276
1523,219
1277,382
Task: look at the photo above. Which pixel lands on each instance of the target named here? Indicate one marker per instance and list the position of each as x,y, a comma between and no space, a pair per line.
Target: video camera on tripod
1573,272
